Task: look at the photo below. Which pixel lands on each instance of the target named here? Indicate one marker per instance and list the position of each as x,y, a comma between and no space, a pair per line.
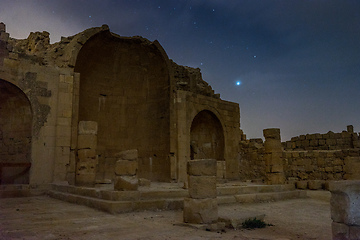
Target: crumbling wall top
2,27
190,79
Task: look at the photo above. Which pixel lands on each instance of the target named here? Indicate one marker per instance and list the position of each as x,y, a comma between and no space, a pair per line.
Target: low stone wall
322,165
329,141
305,165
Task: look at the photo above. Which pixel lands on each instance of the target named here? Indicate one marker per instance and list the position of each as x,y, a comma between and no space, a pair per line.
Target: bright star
238,83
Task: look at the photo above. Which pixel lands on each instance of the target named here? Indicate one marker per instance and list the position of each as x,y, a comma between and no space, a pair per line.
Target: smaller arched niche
206,137
15,134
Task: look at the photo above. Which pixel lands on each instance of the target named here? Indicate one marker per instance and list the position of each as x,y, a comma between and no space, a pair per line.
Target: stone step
234,190
261,197
174,203
146,194
118,206
121,195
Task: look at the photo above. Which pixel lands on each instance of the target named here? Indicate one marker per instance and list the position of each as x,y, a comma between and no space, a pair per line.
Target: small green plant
254,223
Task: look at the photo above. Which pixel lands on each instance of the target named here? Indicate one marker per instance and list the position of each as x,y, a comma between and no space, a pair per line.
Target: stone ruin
53,96
97,107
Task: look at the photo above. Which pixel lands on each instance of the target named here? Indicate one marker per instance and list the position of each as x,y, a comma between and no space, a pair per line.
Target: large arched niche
124,87
15,134
206,137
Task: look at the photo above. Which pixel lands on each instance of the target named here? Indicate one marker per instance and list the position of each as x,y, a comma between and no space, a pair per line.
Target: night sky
294,65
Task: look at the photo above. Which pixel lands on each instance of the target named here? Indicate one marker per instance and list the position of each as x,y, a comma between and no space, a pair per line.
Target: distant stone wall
329,141
322,165
331,156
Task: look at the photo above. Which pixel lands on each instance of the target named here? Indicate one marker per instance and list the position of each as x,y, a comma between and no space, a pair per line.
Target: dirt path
46,218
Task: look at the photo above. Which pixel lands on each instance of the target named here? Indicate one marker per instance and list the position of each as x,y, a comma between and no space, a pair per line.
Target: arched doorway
15,134
206,137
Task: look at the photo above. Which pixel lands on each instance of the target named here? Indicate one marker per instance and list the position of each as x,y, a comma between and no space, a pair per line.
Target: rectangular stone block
316,184
126,183
272,133
345,202
87,141
86,166
200,211
340,231
126,167
88,128
86,153
354,232
275,178
202,167
272,145
276,168
201,187
128,154
85,179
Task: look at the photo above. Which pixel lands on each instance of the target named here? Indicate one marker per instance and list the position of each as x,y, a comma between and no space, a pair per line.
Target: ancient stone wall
305,165
225,119
129,87
252,162
329,141
15,135
322,165
124,87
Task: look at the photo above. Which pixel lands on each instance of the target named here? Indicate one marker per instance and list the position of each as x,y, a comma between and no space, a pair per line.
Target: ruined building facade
127,90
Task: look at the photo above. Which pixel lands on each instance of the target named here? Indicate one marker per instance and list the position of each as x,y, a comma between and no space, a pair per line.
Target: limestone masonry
97,107
69,110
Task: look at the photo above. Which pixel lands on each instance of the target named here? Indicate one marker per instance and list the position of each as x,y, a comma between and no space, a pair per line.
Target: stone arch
207,137
125,88
16,117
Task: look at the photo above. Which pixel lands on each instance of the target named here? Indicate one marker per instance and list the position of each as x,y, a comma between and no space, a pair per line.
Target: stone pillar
125,171
202,206
273,157
2,27
86,153
345,210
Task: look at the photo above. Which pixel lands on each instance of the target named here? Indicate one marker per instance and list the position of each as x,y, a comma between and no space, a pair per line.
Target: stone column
273,157
345,210
202,206
125,171
86,153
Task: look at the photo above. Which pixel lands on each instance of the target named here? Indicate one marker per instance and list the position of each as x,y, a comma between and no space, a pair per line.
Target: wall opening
15,135
206,137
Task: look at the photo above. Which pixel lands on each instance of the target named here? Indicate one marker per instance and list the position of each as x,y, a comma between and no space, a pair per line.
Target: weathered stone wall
252,162
329,141
124,87
305,165
322,165
15,135
139,98
29,66
224,114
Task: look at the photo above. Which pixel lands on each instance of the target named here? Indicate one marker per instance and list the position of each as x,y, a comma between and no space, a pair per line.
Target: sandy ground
46,218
